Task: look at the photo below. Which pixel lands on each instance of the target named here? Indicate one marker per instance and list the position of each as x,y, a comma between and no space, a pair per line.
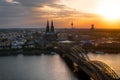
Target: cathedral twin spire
48,28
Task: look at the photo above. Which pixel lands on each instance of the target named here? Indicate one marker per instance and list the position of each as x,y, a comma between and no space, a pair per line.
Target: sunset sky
83,13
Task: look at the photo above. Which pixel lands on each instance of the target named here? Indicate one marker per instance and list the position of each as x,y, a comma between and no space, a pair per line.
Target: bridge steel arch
95,69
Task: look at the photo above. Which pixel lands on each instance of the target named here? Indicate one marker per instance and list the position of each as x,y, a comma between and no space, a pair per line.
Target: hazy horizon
60,28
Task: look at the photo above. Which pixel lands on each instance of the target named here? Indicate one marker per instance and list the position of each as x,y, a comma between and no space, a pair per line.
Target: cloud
61,14
59,11
12,14
36,3
16,2
28,13
9,2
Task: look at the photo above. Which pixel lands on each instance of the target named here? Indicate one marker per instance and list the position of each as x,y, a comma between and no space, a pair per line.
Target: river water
45,67
112,60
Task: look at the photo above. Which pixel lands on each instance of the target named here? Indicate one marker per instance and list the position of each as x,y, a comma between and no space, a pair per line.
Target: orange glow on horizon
86,23
103,13
107,13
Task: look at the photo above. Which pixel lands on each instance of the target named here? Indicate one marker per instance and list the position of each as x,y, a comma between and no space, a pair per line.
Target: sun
109,9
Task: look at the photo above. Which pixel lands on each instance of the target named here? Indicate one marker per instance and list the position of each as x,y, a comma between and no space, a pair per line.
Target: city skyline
34,13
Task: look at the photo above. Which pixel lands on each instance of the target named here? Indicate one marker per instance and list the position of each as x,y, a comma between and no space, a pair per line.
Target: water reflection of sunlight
60,68
112,60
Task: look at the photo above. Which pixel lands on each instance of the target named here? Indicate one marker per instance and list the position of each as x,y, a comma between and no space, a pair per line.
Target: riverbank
25,52
107,49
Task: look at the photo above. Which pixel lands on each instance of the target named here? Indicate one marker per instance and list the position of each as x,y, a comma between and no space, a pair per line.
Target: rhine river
46,67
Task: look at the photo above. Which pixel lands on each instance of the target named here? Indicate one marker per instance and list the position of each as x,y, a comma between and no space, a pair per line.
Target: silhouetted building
52,26
50,34
88,45
5,44
92,27
72,25
47,27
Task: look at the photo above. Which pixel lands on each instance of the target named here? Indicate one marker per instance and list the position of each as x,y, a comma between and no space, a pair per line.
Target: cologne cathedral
50,34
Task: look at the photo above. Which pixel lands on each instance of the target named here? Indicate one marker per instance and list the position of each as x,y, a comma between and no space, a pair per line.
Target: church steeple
47,27
52,26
